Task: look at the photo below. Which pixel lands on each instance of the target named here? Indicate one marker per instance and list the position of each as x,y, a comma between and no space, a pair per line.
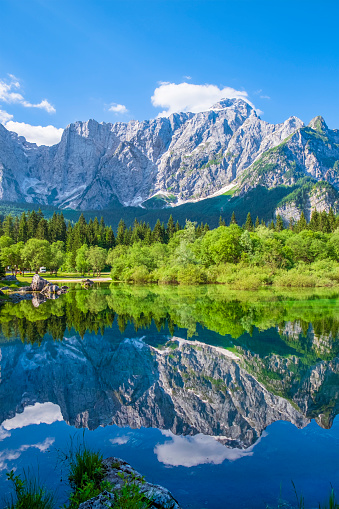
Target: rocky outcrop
184,157
319,197
118,473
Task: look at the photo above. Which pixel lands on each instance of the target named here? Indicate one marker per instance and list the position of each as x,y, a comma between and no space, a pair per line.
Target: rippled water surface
223,397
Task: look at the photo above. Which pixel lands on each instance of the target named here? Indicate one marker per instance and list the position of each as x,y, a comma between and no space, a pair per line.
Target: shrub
191,275
294,278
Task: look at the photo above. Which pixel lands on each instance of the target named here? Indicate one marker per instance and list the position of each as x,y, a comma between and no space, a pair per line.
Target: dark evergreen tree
332,219
32,224
279,224
257,222
302,223
120,232
23,228
8,226
158,233
170,230
249,223
42,230
314,223
110,239
325,226
233,219
221,221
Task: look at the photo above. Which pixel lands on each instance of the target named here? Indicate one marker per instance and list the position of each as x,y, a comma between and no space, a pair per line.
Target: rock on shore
117,473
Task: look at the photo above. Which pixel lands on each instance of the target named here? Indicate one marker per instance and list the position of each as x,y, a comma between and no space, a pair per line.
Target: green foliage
130,495
28,494
85,473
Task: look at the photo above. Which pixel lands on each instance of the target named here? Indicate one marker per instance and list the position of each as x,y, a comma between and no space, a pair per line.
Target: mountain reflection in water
189,361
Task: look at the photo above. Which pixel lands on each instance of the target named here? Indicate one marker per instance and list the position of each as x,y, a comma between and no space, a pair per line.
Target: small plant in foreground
130,496
28,493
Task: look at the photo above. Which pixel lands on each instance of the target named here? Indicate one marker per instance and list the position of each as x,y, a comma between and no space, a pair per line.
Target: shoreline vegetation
247,257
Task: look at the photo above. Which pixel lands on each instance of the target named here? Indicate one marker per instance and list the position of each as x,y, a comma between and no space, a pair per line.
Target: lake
223,397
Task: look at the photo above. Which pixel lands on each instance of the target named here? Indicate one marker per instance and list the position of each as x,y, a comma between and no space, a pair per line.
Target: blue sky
74,60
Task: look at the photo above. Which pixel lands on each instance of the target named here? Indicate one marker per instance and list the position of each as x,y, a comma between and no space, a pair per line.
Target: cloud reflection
40,413
190,451
13,454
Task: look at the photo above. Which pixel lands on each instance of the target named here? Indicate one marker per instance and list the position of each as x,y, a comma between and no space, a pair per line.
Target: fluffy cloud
118,108
189,97
48,135
9,95
5,117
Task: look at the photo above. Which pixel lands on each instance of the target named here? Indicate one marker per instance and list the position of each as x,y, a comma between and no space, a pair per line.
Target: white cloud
43,105
118,108
265,97
187,77
5,117
48,135
34,414
191,451
9,94
189,97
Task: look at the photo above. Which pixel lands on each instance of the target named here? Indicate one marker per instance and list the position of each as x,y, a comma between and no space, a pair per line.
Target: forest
247,256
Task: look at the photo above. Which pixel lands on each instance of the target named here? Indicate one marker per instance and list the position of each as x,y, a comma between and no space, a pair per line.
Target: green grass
28,494
85,473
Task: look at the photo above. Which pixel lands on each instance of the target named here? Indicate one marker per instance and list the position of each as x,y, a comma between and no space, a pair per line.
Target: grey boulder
38,283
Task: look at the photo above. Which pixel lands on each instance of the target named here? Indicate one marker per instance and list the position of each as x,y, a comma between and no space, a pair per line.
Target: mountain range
228,155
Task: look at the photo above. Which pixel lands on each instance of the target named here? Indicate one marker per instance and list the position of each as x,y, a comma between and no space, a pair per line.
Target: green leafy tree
36,253
57,256
81,259
97,259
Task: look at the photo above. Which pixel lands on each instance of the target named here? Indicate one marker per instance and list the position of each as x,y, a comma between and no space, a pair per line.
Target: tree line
135,252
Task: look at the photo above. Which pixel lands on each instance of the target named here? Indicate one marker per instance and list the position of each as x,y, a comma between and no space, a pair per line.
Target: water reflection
211,369
258,360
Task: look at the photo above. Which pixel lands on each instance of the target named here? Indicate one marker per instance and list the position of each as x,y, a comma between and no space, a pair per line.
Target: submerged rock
87,282
50,288
17,297
118,472
25,289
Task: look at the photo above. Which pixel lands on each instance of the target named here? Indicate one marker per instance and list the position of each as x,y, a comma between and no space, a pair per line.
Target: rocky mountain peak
235,104
318,124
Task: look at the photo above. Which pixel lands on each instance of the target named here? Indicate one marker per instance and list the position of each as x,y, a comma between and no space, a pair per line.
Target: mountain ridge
167,161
